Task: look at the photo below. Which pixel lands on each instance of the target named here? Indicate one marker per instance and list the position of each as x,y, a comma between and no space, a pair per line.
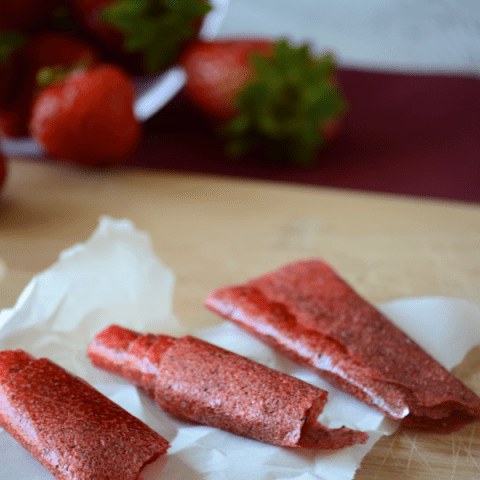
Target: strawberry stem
158,29
56,73
284,106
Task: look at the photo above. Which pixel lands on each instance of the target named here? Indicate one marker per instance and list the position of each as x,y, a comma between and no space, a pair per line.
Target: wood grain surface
214,231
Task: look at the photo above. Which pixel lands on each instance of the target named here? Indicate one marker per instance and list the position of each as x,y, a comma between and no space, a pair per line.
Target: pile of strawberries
66,69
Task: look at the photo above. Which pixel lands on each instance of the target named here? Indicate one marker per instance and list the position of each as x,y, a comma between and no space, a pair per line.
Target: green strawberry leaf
282,108
56,73
156,28
10,40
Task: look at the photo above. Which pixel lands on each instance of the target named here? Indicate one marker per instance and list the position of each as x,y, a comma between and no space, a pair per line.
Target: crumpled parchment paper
115,277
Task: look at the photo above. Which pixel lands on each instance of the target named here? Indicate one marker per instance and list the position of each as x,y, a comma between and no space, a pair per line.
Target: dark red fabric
404,134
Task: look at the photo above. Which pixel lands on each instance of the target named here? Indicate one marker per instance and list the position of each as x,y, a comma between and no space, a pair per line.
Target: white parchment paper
115,277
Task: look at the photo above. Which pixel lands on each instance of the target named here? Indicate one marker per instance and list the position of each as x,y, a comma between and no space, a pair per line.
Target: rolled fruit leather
196,381
307,312
72,429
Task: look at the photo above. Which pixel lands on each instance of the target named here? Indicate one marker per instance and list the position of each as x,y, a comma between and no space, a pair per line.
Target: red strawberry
87,118
53,50
145,36
275,96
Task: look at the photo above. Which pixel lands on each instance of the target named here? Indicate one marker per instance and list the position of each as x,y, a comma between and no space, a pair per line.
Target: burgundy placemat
404,134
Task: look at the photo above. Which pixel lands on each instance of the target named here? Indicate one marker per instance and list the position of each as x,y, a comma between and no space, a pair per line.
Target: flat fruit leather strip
307,312
68,426
200,382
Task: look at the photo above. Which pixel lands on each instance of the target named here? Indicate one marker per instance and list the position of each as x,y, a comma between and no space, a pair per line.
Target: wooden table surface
215,231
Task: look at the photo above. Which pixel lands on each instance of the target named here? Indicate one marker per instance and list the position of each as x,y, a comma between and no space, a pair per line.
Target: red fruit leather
68,426
200,382
134,356
307,312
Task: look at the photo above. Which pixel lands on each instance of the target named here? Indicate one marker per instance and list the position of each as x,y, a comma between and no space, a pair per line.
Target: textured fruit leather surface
404,134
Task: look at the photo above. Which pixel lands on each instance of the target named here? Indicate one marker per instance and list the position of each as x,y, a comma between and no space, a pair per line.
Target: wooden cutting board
215,231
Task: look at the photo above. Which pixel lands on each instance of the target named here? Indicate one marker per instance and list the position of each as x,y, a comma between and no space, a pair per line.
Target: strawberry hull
272,97
88,14
144,37
307,312
196,381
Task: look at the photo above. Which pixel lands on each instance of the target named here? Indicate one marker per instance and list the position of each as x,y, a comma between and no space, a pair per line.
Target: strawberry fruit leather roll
194,380
68,426
310,314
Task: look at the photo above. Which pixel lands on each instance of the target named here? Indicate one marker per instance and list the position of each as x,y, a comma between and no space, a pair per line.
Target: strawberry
57,50
268,95
87,118
146,32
